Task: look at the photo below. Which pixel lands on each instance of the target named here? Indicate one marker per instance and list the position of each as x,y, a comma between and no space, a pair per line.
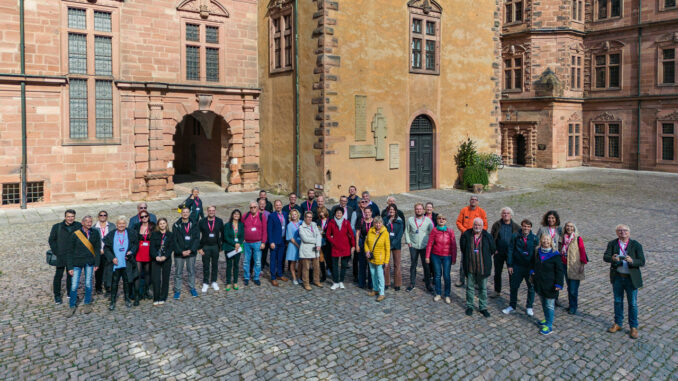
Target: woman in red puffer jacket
442,245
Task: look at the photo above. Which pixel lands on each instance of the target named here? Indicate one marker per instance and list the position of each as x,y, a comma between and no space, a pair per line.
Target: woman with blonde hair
573,255
293,242
378,252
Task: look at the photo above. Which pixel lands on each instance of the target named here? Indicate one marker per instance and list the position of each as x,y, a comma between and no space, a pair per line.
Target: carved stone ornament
548,85
204,8
575,117
280,4
672,116
427,6
605,117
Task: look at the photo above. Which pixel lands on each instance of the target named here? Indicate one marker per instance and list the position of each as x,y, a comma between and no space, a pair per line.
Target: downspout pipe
640,61
297,135
24,154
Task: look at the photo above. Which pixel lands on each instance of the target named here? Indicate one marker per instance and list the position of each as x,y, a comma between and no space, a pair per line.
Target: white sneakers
507,310
215,286
341,285
448,300
530,312
436,298
334,286
205,286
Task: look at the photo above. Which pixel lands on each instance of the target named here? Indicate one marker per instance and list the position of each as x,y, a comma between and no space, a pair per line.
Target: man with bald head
477,249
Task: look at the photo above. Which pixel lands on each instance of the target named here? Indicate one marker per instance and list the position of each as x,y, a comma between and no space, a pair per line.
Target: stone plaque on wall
360,118
357,152
394,156
379,130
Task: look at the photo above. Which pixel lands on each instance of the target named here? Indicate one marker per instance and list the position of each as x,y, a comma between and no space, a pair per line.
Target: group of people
318,242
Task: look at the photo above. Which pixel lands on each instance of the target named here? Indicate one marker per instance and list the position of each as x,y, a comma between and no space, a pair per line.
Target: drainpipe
640,40
24,159
297,165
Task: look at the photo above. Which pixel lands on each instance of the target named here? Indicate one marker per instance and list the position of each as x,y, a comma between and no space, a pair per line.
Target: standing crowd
317,242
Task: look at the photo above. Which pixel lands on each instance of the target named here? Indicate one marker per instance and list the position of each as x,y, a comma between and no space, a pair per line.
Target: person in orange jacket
465,222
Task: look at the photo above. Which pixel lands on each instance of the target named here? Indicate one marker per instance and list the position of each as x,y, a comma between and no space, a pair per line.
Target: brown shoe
71,312
318,285
275,283
284,279
614,328
494,295
634,333
371,293
87,309
307,287
381,297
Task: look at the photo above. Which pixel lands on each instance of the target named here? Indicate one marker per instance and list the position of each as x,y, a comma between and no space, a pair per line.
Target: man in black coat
263,195
211,237
83,260
59,240
477,249
187,242
502,232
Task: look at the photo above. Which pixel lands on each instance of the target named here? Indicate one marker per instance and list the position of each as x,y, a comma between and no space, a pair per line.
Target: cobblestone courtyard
289,333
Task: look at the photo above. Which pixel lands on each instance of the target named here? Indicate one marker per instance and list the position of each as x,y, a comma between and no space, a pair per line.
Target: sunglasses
146,216
103,215
143,207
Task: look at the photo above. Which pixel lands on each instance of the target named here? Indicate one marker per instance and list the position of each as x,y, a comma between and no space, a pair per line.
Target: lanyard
104,230
324,223
476,241
368,226
391,223
308,206
187,228
566,243
418,225
211,227
162,240
280,217
235,227
120,241
525,241
552,232
145,234
622,247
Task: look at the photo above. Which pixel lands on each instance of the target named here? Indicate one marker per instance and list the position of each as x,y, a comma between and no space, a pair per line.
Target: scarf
339,222
442,228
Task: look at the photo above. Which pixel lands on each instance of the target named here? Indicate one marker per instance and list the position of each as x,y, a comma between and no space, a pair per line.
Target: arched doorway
421,153
519,146
199,148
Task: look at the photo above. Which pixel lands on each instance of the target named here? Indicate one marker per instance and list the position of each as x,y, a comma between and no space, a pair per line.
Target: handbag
375,245
50,258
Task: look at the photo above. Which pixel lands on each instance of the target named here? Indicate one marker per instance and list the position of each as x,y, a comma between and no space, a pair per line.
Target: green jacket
633,250
418,236
230,237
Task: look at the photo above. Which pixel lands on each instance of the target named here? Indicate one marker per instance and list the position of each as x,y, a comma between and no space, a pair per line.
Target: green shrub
466,155
475,174
489,161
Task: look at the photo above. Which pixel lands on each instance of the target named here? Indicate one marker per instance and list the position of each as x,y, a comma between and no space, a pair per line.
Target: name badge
144,244
392,234
187,238
236,240
254,229
524,252
211,235
196,209
122,249
416,232
475,251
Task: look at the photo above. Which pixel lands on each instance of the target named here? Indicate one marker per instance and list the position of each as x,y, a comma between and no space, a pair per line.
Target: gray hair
142,203
378,219
195,189
622,226
121,219
478,219
390,198
86,217
507,209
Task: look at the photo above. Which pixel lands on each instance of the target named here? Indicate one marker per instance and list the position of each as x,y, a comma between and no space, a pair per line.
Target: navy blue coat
275,231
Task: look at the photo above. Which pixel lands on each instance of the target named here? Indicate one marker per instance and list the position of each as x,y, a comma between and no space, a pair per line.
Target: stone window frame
606,122
513,68
574,140
112,8
578,11
425,16
280,12
660,64
594,73
663,8
660,135
510,7
202,46
608,16
576,71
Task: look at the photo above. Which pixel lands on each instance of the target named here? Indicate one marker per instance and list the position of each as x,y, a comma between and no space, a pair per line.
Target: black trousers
145,276
499,261
102,277
117,274
338,275
415,255
210,264
160,272
56,283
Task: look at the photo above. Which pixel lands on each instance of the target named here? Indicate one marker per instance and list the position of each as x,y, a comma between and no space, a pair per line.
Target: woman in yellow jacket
378,252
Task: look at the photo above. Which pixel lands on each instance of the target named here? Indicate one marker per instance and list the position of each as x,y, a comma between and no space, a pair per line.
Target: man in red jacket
255,240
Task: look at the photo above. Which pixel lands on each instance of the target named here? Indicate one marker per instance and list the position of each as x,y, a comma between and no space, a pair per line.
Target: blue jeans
572,290
549,308
441,265
89,270
377,274
252,250
619,286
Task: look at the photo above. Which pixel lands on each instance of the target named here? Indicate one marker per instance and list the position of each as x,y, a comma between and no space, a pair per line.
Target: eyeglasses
143,207
253,207
103,215
146,216
441,219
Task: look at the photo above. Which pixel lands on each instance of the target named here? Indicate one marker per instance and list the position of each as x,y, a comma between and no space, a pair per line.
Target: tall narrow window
281,32
212,64
90,87
668,66
573,140
667,141
575,72
608,9
192,63
613,139
513,11
513,73
424,40
607,140
202,52
608,71
578,10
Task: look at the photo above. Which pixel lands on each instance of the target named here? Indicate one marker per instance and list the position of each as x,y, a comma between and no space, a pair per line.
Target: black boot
111,306
323,272
128,301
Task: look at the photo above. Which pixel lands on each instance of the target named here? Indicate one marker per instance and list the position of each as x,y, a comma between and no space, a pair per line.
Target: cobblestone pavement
283,333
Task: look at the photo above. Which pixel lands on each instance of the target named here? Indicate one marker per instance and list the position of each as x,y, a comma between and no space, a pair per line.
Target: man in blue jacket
520,261
276,240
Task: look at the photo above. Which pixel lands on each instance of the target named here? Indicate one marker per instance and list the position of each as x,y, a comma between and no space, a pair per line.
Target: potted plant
465,157
475,177
491,163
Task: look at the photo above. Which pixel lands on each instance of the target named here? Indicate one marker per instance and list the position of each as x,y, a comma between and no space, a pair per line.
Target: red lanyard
391,223
280,217
120,241
211,227
187,228
622,247
104,230
146,234
368,226
235,228
417,225
162,240
525,241
308,206
552,233
324,223
476,241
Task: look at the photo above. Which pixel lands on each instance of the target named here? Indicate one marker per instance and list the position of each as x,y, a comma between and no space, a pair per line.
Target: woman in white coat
309,250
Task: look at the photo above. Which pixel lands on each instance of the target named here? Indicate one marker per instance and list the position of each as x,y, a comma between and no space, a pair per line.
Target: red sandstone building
590,83
121,96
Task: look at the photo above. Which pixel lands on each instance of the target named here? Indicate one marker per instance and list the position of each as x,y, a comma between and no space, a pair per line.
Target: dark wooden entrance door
421,153
520,146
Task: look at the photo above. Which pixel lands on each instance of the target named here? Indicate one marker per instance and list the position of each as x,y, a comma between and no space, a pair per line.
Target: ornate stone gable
204,8
427,6
605,117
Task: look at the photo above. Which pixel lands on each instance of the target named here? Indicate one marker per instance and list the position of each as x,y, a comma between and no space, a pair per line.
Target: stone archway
514,133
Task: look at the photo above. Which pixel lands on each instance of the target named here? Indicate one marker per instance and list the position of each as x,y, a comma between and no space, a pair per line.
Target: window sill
283,70
662,9
606,89
514,23
91,142
574,158
615,18
667,84
667,162
512,91
605,159
422,71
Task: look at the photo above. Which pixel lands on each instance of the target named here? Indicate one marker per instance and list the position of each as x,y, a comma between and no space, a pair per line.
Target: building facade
590,82
376,94
122,96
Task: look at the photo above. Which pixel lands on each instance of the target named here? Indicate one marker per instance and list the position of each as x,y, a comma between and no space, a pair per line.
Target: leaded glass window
192,32
77,18
192,63
212,35
77,53
102,21
212,64
103,60
78,108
